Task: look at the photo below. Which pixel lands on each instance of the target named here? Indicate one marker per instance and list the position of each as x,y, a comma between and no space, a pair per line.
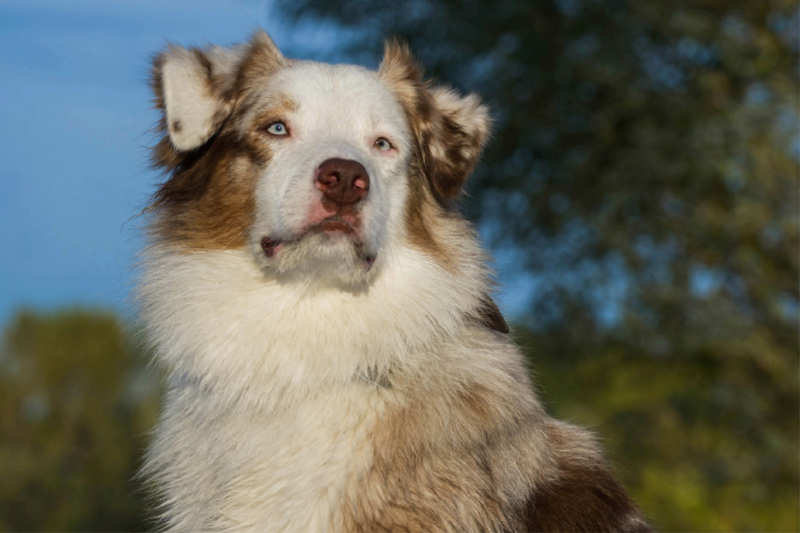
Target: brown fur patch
208,202
446,491
585,496
208,199
585,499
424,479
492,317
423,214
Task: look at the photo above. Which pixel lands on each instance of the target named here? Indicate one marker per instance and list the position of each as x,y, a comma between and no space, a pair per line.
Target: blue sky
74,116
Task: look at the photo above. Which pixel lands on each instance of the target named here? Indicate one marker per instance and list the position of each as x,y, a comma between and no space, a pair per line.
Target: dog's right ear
193,88
196,90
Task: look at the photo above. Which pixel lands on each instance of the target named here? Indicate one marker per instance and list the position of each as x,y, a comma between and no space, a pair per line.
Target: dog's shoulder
469,447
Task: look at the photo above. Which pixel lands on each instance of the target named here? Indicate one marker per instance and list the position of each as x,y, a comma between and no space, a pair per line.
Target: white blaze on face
336,111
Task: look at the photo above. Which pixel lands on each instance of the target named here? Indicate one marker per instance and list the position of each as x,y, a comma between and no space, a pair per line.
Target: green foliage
76,402
705,442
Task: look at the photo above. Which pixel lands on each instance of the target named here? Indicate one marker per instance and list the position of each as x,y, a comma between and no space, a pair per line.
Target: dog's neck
217,318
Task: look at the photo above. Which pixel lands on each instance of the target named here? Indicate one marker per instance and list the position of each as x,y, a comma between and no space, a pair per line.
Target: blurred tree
644,172
76,401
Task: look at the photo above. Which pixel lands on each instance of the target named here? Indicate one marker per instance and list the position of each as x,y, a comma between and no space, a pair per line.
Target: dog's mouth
331,226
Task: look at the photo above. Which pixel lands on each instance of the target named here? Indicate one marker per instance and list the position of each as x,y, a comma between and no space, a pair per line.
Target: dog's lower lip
269,246
334,225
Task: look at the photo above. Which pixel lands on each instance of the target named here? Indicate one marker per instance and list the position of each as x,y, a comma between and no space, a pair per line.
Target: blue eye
383,145
279,128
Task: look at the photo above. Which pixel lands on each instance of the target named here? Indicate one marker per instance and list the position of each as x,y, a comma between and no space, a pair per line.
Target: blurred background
640,195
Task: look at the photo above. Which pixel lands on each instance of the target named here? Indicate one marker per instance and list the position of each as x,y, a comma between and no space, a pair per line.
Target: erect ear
450,129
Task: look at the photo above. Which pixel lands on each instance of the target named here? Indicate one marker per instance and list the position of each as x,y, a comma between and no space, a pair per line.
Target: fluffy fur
339,368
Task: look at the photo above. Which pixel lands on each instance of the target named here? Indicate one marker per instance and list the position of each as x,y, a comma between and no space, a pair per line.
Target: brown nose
343,181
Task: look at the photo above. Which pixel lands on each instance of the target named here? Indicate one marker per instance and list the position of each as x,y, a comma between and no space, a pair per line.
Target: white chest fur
271,424
234,469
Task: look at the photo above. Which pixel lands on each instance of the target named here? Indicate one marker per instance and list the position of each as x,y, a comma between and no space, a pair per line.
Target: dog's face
337,176
318,169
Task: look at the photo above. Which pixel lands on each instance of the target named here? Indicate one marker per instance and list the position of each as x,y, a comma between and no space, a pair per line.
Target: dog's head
320,170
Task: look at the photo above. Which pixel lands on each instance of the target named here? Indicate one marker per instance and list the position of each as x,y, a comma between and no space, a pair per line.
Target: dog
335,360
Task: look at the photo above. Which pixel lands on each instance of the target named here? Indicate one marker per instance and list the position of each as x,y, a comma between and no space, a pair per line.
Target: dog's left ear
450,129
456,139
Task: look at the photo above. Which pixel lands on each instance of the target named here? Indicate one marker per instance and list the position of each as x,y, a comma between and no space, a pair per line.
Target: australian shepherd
335,360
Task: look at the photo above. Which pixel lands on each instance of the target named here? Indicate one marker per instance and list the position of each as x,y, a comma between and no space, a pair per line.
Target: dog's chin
326,255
